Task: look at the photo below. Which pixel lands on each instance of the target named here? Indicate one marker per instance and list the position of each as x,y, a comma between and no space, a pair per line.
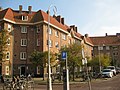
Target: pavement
40,81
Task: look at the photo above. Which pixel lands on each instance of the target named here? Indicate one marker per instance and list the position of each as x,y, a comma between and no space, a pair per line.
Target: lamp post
100,48
99,60
49,68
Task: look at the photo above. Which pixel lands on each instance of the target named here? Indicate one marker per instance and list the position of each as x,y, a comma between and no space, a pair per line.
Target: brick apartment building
28,32
109,45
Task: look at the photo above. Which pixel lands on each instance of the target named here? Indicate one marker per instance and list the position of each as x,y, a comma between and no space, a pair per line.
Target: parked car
117,70
107,73
112,68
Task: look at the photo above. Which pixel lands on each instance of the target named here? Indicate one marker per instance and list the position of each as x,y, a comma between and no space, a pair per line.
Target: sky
92,17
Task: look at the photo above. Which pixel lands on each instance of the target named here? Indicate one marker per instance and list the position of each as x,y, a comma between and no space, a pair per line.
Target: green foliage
41,58
103,59
74,57
37,58
3,43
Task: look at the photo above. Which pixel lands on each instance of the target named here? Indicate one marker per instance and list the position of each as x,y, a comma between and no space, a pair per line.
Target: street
100,84
109,84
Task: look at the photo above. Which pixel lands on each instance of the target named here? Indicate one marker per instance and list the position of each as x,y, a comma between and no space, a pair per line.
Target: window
50,31
50,43
115,53
56,44
24,18
23,42
38,29
63,36
23,55
56,33
8,41
9,27
7,70
100,47
38,42
38,70
69,41
107,48
115,47
8,55
23,29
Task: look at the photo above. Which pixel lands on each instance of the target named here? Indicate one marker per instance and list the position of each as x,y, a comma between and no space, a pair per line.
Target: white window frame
7,69
63,36
56,33
100,47
38,29
50,31
24,18
23,42
7,55
8,41
49,42
23,55
9,27
38,42
107,47
23,29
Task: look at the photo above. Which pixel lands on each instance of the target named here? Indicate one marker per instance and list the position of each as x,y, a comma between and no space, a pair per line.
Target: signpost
65,73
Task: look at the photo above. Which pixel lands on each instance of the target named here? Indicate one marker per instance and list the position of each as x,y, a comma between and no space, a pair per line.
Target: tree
74,56
102,59
3,43
41,59
3,46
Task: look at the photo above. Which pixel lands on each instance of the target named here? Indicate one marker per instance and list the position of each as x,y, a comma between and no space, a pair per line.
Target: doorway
22,70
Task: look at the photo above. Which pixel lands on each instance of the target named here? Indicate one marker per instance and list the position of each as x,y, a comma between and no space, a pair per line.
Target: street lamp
49,68
100,47
99,59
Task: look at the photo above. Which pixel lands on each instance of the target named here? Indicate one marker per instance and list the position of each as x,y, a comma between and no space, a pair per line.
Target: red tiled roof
2,13
9,14
88,40
78,35
106,40
53,21
33,17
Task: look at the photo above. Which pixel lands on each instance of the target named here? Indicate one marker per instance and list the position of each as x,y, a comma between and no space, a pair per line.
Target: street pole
49,68
67,73
99,60
85,62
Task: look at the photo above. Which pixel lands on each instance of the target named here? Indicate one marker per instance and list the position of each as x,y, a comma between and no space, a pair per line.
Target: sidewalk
40,81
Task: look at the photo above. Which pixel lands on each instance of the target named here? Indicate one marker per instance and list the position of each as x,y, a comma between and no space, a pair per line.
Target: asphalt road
102,84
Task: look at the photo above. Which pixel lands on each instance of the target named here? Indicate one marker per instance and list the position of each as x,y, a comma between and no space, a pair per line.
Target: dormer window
24,18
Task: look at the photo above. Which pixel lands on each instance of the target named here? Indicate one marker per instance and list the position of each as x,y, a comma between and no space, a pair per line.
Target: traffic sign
64,55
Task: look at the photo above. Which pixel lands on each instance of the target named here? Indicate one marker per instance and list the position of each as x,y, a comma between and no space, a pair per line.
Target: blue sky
94,17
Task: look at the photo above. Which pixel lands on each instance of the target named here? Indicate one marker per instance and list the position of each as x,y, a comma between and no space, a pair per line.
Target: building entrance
22,70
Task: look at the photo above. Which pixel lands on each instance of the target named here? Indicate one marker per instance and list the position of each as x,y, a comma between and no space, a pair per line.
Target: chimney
20,8
73,27
76,29
86,35
58,18
30,9
106,34
62,21
117,34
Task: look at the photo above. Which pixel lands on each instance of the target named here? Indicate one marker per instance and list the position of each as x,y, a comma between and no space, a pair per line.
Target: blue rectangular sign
64,55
